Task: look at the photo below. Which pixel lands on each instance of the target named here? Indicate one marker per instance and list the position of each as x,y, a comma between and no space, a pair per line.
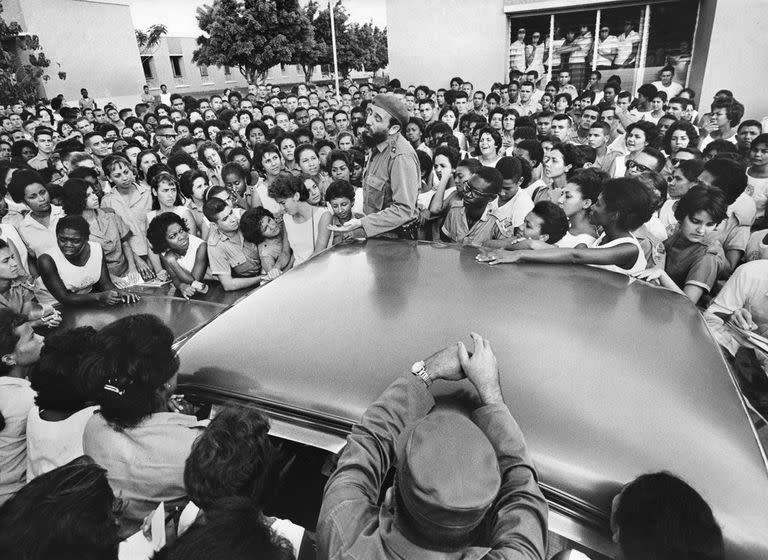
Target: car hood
607,380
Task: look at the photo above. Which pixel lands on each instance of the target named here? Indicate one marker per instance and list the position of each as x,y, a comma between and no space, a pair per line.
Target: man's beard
373,139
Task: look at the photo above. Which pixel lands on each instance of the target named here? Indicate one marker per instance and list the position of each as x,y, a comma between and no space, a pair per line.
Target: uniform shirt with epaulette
390,186
225,252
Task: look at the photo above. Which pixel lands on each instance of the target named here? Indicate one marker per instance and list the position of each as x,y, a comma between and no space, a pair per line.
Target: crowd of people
236,189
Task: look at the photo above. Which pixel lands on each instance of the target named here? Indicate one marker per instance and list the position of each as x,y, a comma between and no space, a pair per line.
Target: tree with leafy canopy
310,51
358,46
372,41
149,40
250,35
19,79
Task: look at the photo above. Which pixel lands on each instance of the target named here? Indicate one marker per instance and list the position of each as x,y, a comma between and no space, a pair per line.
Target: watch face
417,367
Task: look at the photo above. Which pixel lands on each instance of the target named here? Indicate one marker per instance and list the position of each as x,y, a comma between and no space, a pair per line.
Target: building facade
94,42
712,44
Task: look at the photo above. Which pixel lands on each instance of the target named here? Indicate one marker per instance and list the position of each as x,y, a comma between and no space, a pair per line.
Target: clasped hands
481,368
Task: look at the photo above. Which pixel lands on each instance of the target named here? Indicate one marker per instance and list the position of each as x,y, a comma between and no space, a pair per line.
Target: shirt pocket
374,192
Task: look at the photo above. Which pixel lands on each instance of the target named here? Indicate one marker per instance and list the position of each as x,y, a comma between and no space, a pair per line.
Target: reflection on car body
607,380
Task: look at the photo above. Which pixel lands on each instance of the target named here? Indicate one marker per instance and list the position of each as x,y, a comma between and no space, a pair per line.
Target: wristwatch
419,369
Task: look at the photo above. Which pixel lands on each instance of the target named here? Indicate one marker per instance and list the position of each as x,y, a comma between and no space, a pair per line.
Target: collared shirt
38,162
391,184
526,109
86,103
570,89
18,295
35,235
626,43
606,50
606,161
352,525
133,209
109,230
457,228
226,252
16,399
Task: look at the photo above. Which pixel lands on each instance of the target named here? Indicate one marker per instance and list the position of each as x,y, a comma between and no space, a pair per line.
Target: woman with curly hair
138,436
182,254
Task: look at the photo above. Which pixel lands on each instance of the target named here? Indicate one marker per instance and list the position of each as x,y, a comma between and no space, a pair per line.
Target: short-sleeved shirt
109,230
543,192
756,246
697,264
226,252
486,228
652,246
757,188
35,235
747,288
606,161
16,399
626,43
734,232
18,295
512,213
133,210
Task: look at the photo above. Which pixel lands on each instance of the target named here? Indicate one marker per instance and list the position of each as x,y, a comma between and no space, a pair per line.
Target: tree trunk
308,71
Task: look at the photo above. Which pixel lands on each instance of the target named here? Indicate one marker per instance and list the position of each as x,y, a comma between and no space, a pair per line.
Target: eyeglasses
631,164
167,135
474,192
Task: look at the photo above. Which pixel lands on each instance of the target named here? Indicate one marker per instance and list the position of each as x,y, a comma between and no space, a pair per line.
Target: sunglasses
640,167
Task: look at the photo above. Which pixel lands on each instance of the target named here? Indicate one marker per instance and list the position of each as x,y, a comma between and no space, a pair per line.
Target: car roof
608,377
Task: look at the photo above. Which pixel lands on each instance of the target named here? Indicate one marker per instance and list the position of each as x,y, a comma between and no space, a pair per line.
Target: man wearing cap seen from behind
465,488
391,179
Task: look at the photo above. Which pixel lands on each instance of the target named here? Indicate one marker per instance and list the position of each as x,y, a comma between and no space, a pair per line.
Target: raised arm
620,255
439,205
516,525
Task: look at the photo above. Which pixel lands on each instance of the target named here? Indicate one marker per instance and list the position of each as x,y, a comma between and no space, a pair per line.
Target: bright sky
179,15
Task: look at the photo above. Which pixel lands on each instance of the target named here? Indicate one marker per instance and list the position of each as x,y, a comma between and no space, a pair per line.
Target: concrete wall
430,41
730,53
93,42
191,82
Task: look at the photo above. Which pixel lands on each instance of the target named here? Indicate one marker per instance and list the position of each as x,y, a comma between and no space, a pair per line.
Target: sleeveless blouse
187,262
78,279
640,262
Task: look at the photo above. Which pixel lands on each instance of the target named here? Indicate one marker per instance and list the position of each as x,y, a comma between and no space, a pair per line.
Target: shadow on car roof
607,380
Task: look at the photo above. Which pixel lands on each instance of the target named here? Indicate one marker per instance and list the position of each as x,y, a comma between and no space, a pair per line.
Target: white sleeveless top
53,444
187,262
640,263
78,279
301,236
